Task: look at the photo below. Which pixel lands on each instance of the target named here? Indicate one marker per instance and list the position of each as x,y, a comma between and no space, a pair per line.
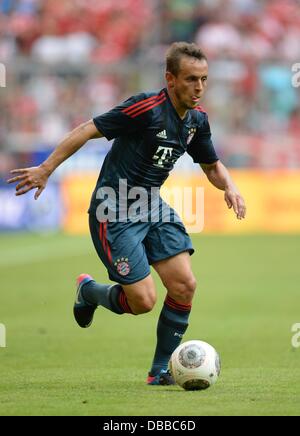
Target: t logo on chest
163,155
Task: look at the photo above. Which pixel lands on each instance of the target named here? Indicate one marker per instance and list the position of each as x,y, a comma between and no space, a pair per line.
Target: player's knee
144,304
191,285
183,291
188,290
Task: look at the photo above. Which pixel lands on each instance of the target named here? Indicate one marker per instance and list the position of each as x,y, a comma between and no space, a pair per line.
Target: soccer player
151,131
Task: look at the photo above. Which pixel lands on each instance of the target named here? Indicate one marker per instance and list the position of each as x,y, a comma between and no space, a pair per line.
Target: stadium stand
68,60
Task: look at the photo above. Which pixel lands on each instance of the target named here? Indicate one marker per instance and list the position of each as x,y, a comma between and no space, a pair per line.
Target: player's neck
182,111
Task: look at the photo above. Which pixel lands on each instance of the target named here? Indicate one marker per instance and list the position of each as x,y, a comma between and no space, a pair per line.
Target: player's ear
170,79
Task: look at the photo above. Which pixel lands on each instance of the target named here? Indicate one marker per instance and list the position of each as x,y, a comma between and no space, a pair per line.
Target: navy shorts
127,249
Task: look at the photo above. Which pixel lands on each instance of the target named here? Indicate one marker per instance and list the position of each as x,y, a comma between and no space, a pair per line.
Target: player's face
189,85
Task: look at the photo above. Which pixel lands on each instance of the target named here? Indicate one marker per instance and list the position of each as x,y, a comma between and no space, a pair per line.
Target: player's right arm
129,117
37,177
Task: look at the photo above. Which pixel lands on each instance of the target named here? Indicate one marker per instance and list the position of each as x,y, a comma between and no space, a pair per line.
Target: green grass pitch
247,301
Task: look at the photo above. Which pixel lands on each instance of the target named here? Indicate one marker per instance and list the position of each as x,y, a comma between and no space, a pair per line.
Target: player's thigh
177,276
167,238
168,248
121,250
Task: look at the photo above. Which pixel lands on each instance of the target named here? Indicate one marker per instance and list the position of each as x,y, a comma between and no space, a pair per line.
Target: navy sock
112,297
172,325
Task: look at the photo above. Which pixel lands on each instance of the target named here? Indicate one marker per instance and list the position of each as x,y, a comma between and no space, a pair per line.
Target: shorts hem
128,282
190,250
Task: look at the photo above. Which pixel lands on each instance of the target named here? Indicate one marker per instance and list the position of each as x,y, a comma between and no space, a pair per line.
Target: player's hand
30,178
235,200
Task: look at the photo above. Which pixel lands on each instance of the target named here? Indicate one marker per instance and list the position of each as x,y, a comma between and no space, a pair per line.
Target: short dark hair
177,51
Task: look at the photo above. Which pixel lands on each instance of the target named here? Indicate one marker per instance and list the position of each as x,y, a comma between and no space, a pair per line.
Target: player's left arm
219,176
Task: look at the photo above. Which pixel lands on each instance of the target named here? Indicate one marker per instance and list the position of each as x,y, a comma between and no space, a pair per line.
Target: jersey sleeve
201,147
127,118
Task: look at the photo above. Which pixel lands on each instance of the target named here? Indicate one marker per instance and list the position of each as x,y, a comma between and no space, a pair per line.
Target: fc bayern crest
122,266
191,135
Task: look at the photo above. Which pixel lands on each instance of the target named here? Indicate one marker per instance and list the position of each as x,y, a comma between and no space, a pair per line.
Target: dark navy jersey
149,138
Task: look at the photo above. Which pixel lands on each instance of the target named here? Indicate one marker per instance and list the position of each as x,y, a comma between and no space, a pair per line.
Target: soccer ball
195,365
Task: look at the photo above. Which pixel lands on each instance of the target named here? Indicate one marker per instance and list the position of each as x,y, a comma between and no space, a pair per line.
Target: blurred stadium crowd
68,60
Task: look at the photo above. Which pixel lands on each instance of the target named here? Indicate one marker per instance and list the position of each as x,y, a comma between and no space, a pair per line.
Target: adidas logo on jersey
162,135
